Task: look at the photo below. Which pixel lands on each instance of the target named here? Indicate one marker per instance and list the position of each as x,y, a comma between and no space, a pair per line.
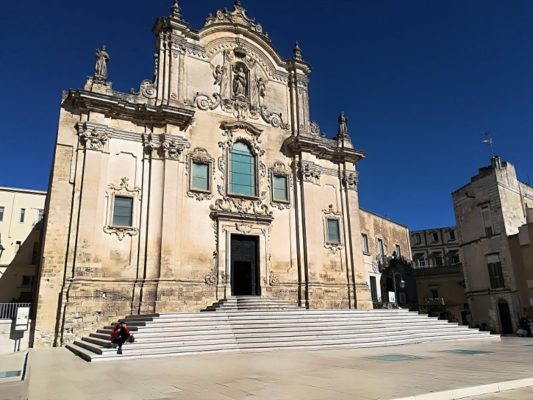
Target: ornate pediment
233,125
236,17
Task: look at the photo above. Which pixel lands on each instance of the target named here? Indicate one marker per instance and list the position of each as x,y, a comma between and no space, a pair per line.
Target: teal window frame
207,177
329,238
242,171
120,209
274,189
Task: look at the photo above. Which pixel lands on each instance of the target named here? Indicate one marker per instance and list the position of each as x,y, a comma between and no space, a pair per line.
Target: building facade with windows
382,239
489,210
21,214
439,274
209,181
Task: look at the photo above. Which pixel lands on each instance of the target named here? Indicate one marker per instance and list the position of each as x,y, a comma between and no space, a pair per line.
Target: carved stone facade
160,197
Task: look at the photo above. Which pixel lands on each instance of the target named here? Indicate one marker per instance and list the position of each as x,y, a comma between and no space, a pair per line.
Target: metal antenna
488,140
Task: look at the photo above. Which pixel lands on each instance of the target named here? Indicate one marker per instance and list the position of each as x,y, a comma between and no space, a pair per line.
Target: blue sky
419,81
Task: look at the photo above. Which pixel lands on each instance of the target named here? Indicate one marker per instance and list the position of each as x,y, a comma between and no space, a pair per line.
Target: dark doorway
505,318
245,266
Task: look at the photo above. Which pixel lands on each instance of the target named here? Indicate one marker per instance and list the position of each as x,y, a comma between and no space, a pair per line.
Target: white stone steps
179,340
295,318
269,343
283,322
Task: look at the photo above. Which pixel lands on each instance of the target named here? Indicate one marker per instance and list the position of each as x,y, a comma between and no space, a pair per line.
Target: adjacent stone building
21,214
381,238
439,274
489,211
209,181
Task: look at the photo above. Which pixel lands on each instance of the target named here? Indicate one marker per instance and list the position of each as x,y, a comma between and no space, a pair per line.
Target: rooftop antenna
488,140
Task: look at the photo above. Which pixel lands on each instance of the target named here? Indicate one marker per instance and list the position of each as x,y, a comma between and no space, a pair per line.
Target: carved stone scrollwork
149,143
274,119
314,129
242,206
200,155
93,137
121,231
310,172
146,89
350,180
330,213
171,149
274,279
211,278
243,228
205,102
280,169
124,187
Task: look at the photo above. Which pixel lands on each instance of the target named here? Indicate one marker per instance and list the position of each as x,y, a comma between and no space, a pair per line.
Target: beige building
21,213
439,274
380,238
488,210
210,181
521,246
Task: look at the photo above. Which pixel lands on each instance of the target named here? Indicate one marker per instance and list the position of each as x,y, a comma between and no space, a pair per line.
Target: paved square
327,374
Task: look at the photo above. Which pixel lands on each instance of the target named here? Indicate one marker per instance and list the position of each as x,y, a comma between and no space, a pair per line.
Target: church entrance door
245,266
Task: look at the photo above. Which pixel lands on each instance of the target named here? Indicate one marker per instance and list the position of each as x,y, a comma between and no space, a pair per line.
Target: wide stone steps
263,328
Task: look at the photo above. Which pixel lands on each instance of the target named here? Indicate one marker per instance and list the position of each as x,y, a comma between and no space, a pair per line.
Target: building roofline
383,217
21,190
434,229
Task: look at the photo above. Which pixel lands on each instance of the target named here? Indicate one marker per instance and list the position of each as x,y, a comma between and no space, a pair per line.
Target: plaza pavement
419,372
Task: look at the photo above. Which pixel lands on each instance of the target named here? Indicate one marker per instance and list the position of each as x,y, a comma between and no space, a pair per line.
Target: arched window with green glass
242,171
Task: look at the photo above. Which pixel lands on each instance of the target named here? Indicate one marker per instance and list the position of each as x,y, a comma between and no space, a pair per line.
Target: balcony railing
9,310
435,301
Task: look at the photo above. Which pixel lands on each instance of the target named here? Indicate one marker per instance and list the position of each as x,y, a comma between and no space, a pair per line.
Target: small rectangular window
452,235
279,188
418,238
496,275
35,253
122,211
1,214
381,249
333,231
374,289
435,236
22,215
27,280
398,251
487,220
364,240
200,176
434,293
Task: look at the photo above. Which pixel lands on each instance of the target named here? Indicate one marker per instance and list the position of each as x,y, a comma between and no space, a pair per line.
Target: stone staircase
258,324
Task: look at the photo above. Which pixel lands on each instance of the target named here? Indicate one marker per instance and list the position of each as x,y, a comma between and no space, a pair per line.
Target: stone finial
100,69
237,3
176,10
297,52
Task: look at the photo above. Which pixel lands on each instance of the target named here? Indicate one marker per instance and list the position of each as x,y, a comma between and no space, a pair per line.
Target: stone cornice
323,148
115,106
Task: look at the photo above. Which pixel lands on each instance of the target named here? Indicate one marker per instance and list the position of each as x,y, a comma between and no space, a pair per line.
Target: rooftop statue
102,57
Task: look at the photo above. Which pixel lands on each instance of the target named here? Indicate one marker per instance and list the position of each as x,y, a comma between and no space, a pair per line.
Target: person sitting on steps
120,335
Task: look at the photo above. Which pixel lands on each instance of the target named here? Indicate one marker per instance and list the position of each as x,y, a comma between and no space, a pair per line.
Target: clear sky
419,81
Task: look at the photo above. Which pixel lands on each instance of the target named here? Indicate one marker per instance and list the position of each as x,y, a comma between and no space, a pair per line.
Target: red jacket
119,330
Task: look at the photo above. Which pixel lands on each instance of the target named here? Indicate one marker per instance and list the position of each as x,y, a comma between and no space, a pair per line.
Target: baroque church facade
210,181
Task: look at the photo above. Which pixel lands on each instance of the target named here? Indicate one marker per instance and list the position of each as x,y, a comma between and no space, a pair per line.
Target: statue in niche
261,90
217,74
102,57
240,81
